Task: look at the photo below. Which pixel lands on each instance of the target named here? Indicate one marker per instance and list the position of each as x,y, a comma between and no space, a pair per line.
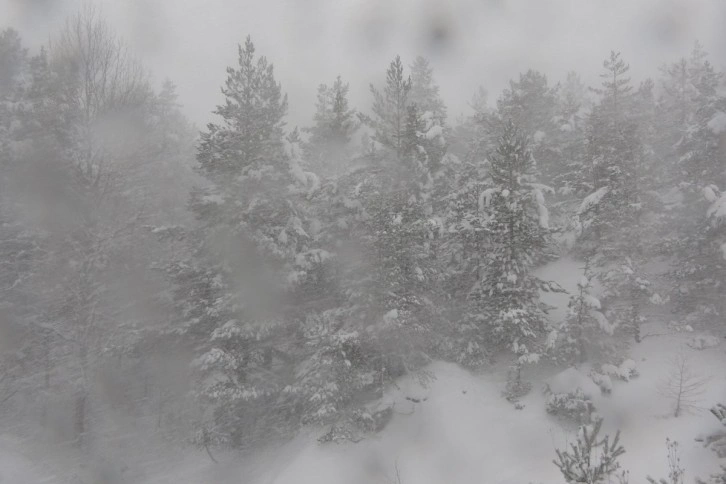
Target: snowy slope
461,432
478,437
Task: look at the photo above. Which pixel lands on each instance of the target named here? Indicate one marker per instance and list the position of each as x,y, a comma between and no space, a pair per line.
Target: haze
470,43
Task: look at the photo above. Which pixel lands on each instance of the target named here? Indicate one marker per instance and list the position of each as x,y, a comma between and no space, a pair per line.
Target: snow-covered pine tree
697,175
424,91
572,178
531,104
506,304
461,253
390,108
251,250
607,215
335,124
377,218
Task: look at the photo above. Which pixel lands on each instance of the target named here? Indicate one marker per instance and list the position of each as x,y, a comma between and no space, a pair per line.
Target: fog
469,260
470,43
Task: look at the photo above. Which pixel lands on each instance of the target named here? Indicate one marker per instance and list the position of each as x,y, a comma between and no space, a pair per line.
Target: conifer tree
425,92
390,108
584,330
531,104
590,460
506,300
689,143
335,124
252,250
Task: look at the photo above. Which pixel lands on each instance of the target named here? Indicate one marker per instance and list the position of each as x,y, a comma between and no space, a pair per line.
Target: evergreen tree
425,92
335,124
583,333
610,212
693,143
507,305
390,108
531,104
252,250
591,460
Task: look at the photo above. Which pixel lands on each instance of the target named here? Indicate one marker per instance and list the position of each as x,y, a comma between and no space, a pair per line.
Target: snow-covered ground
461,432
466,433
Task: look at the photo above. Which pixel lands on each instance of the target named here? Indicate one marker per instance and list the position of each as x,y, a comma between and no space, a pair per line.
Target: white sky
480,42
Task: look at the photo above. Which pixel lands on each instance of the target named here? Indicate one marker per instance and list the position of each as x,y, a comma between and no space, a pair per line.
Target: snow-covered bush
516,388
357,424
703,341
626,371
603,381
575,406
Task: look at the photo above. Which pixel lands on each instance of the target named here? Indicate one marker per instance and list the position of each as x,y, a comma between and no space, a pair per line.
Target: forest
241,290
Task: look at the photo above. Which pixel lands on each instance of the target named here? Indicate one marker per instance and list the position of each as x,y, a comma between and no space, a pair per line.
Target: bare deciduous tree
104,83
683,385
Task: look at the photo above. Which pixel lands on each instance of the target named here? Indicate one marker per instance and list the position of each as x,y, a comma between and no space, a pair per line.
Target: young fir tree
582,332
590,460
506,301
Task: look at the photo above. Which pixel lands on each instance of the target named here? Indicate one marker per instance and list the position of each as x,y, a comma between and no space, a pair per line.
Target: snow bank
462,431
570,380
703,341
717,124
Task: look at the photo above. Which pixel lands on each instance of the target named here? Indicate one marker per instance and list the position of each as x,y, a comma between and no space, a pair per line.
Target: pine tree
507,302
251,251
335,124
531,104
425,92
390,108
697,178
608,215
571,177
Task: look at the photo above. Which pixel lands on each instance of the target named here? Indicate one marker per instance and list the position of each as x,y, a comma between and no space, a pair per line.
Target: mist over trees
234,285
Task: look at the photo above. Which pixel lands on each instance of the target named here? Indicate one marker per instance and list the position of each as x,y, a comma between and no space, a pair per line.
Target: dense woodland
236,285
